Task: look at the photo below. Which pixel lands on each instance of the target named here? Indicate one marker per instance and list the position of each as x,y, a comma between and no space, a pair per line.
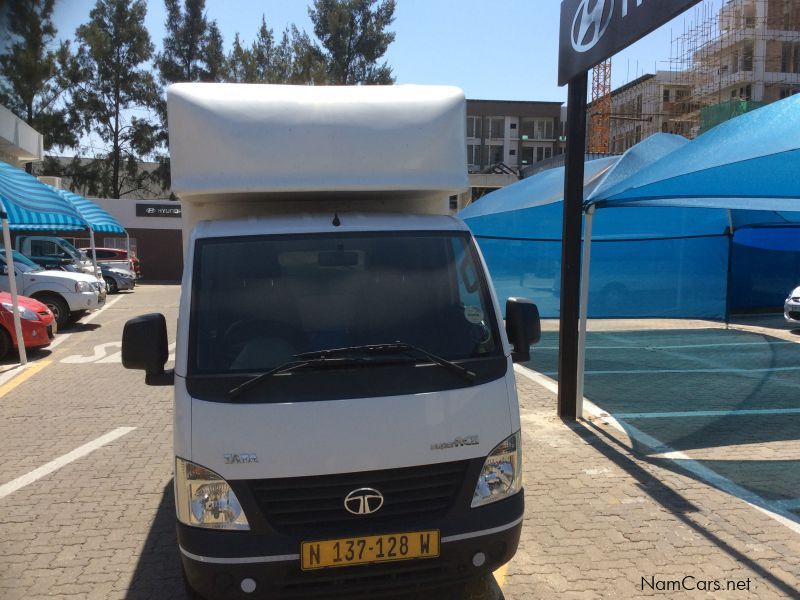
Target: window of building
526,155
790,57
747,56
494,154
548,152
473,155
666,95
536,129
497,128
473,127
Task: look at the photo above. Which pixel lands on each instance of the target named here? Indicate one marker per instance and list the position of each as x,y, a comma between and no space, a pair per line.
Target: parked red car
38,323
104,254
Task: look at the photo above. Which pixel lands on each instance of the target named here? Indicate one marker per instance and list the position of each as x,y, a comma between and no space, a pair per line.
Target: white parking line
654,371
54,465
775,509
634,345
62,337
709,413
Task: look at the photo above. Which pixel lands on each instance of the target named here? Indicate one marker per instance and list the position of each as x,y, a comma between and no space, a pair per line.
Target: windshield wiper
390,348
334,357
289,366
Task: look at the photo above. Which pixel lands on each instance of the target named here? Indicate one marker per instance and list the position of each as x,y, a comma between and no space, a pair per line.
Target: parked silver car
117,278
791,309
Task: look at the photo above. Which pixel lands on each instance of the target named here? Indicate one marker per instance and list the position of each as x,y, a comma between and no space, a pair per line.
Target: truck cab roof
324,223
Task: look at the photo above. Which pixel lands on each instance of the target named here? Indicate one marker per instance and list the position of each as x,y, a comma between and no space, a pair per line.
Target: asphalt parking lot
615,507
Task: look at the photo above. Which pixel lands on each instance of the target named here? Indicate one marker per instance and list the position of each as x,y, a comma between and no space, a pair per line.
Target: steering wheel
259,336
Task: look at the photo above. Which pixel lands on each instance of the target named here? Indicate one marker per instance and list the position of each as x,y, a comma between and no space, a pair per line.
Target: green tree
31,84
239,61
354,37
215,68
263,53
113,96
184,47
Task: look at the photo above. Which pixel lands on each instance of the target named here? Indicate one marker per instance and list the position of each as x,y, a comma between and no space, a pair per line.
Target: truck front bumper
223,564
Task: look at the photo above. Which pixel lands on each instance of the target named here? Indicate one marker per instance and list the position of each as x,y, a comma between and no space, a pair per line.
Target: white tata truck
346,418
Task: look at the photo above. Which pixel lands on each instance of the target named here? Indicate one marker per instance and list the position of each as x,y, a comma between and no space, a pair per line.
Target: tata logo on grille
590,23
363,501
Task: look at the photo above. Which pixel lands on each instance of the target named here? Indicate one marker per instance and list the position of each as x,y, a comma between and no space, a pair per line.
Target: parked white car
68,295
791,309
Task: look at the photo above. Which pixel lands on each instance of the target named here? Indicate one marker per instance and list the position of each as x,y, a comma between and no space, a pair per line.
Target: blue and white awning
96,217
30,204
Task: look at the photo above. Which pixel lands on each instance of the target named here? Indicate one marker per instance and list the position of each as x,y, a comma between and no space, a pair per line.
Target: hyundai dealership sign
593,30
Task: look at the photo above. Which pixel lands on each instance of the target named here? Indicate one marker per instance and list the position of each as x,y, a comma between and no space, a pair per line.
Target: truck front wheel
58,307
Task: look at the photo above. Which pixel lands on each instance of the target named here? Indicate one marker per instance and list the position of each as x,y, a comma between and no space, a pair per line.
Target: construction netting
711,116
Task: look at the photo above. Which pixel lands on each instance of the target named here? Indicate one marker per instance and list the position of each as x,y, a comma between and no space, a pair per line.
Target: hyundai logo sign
593,30
590,23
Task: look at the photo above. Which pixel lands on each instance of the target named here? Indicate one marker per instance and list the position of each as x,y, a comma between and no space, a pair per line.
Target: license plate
370,549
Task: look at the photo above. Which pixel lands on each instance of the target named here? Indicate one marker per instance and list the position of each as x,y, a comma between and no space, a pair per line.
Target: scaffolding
600,112
733,56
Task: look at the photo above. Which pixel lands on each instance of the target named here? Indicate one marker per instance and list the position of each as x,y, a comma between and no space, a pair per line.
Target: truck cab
54,253
346,418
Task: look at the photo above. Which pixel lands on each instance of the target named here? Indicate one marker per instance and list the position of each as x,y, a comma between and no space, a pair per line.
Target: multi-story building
650,104
731,60
743,56
504,137
514,133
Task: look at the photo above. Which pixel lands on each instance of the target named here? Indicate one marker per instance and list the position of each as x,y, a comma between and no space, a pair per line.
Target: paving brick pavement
599,516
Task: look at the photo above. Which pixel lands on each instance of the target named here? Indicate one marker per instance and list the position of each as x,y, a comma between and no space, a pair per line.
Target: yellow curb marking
500,575
24,376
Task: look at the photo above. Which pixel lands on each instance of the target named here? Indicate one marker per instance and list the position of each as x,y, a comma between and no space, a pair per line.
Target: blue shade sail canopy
97,218
30,204
751,162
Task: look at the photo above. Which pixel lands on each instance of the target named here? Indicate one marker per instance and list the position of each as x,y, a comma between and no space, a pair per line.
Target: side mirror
4,270
144,346
522,327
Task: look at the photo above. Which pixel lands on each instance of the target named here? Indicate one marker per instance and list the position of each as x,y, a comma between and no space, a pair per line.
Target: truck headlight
24,313
204,499
83,286
501,476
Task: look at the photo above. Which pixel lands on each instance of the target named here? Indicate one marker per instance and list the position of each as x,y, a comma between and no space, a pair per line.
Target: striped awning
96,217
30,204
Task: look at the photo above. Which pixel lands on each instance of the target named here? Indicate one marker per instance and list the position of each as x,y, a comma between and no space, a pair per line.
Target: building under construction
736,57
731,57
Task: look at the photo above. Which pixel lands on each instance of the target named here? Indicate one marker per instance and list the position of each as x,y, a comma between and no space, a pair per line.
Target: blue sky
498,50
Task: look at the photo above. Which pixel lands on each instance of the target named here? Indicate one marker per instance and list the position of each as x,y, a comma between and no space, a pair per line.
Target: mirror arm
163,378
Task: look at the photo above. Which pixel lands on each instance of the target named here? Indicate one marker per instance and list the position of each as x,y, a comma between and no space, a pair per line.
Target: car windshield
77,254
21,262
259,301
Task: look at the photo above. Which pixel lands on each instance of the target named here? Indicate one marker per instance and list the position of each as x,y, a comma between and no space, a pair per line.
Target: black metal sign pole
571,247
590,31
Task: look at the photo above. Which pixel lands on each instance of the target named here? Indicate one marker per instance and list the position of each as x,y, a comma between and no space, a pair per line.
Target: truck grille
315,505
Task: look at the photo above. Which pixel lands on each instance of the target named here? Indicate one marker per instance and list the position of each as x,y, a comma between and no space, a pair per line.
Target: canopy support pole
729,274
128,244
12,284
584,308
94,252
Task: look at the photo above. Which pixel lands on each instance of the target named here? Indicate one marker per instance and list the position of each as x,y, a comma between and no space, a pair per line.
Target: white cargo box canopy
235,142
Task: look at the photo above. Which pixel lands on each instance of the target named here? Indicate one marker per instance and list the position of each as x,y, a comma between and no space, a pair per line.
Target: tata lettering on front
593,30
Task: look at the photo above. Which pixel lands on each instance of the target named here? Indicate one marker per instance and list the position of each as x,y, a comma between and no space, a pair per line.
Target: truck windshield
260,301
22,263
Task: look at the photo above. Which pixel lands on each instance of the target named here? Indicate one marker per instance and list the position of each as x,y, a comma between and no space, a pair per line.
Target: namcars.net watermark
690,583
